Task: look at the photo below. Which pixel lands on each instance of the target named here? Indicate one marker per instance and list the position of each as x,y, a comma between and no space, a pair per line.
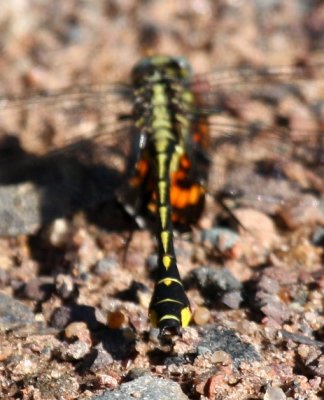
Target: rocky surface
76,273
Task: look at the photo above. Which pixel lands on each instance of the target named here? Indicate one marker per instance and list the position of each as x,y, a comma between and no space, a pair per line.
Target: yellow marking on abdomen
166,260
165,238
162,191
163,211
168,281
162,159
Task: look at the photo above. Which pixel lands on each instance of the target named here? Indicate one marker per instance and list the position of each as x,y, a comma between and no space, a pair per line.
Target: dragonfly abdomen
163,115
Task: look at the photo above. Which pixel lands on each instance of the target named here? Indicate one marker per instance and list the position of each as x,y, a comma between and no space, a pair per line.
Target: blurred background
55,44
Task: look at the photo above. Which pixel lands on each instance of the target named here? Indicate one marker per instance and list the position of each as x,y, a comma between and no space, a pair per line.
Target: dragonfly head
161,67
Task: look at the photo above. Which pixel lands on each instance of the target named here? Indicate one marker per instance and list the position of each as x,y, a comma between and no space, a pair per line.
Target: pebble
65,287
58,232
223,238
220,279
154,335
220,357
276,310
274,393
232,299
146,387
78,330
136,373
106,381
214,283
201,315
301,211
220,339
73,351
13,314
115,319
20,217
106,268
259,229
268,285
100,358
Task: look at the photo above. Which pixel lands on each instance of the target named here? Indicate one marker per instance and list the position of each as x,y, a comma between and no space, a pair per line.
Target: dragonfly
161,136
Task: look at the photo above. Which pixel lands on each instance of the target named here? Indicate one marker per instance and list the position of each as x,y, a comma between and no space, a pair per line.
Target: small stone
303,210
20,217
78,330
58,232
223,238
276,311
73,351
218,339
312,358
257,225
136,373
106,381
106,268
101,358
201,316
154,335
116,319
232,299
268,285
213,283
65,287
217,380
13,314
274,393
146,387
220,356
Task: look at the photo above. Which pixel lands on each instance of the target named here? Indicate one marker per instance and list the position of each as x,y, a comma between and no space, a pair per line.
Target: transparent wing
61,152
247,77
267,137
55,119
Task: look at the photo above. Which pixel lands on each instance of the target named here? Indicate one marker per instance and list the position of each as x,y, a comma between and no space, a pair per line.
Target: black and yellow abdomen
163,114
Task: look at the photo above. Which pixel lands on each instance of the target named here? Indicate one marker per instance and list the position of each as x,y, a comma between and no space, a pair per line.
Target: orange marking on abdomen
141,171
195,193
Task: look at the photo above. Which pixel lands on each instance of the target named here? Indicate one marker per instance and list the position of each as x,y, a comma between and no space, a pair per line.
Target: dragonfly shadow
36,190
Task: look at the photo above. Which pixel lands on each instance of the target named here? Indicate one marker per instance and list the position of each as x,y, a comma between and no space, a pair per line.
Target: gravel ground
76,274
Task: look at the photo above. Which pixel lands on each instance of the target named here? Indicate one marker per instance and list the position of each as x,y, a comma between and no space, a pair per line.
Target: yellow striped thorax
164,101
